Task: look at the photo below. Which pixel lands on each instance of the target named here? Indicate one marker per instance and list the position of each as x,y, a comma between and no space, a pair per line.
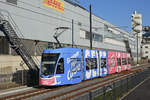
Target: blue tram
72,65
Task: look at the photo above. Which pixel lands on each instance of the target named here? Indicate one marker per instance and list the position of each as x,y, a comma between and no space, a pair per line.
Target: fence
116,89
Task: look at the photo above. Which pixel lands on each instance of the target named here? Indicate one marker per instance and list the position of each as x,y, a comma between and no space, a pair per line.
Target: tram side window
88,64
60,67
124,61
103,62
91,63
94,63
118,61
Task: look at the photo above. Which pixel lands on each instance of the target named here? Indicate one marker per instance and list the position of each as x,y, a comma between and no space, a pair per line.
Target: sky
118,12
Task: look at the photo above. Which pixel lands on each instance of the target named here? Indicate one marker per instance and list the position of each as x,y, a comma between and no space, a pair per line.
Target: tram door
60,72
90,64
112,62
73,66
103,63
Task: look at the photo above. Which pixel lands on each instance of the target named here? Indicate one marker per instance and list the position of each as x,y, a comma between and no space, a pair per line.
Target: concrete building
137,31
146,43
36,23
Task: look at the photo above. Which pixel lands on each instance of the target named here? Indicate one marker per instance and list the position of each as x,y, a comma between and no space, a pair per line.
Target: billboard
54,4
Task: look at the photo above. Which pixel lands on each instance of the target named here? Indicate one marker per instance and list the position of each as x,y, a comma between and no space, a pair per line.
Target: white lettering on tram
88,74
70,74
73,56
87,53
93,53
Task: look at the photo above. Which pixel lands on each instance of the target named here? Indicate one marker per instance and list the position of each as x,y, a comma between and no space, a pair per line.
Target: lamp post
137,50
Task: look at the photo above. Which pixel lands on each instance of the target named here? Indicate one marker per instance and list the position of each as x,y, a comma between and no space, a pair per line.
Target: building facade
145,48
37,21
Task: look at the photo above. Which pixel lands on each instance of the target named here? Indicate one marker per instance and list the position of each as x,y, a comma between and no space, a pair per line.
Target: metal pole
72,33
91,27
137,50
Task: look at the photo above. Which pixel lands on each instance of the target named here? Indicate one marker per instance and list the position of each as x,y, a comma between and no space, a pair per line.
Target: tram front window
49,64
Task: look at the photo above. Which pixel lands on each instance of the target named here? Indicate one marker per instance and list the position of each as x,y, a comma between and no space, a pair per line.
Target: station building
36,22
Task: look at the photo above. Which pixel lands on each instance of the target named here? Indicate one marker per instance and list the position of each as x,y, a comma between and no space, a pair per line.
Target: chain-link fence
117,89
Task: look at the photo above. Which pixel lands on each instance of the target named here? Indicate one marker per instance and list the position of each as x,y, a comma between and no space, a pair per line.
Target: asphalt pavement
141,92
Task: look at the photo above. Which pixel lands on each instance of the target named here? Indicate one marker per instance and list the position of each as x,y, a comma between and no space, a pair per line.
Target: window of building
98,37
82,34
86,35
146,46
12,1
146,51
91,63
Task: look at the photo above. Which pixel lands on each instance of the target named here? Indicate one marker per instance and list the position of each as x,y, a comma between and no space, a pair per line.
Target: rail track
71,91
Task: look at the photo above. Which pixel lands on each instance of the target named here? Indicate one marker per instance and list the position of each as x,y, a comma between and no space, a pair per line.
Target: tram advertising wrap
72,65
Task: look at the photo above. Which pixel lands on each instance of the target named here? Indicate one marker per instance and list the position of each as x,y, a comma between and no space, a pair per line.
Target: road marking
134,88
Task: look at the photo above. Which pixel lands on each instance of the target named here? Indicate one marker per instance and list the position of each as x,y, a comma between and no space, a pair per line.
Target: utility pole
91,27
137,50
72,33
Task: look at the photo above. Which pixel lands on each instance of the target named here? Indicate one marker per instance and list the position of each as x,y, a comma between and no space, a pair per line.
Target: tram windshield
48,63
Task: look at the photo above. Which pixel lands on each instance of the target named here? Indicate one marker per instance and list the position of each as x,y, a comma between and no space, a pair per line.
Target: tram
72,65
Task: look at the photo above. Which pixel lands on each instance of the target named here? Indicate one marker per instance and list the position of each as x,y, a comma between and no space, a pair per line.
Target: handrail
5,15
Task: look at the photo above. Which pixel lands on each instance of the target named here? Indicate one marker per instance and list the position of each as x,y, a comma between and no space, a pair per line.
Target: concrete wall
11,64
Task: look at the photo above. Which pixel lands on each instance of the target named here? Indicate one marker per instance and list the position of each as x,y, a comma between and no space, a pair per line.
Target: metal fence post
104,94
22,77
90,95
127,85
121,87
114,91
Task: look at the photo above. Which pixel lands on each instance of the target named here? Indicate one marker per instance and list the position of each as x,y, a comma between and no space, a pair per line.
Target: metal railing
4,14
115,90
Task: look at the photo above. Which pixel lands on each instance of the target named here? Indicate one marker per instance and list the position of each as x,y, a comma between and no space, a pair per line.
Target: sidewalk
141,92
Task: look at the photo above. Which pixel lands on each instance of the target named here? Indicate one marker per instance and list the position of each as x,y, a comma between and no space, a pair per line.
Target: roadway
140,92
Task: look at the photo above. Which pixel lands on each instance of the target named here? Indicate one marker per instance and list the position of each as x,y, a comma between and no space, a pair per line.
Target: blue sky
118,12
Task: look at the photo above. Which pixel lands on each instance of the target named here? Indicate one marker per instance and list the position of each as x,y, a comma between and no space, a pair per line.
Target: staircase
9,28
127,45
